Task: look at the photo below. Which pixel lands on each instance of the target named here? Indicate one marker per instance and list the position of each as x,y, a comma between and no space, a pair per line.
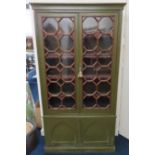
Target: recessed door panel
61,131
97,131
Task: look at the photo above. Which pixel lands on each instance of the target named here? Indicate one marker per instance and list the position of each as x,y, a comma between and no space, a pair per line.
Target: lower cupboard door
82,132
61,131
97,131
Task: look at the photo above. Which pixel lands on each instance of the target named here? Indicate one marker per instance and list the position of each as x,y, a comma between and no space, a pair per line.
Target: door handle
80,75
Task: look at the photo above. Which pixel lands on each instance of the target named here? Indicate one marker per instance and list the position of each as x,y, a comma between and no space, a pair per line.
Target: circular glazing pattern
66,25
89,87
104,73
105,42
52,61
89,42
68,88
50,25
90,25
104,60
51,43
66,43
67,74
53,72
68,101
89,60
103,101
103,87
89,72
105,24
67,60
54,88
54,102
89,101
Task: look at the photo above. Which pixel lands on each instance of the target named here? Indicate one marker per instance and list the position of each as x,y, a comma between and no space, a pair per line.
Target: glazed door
97,70
58,62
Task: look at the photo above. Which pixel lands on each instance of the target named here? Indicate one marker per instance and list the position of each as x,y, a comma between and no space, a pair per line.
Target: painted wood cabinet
78,48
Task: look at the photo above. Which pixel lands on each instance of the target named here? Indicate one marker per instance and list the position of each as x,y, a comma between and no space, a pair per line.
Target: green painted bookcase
78,48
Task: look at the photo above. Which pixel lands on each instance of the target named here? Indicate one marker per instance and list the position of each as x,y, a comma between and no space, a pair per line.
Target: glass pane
105,24
89,60
105,41
67,74
68,88
103,87
66,25
103,101
50,25
54,88
52,61
90,42
104,60
89,87
68,101
89,101
60,81
50,42
98,35
89,73
67,60
104,73
58,37
55,102
53,72
66,43
90,25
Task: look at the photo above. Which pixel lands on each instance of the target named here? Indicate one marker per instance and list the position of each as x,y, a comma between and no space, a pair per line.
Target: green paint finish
76,7
79,149
79,130
61,131
97,131
115,66
78,64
